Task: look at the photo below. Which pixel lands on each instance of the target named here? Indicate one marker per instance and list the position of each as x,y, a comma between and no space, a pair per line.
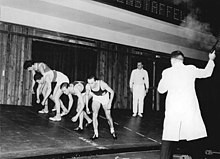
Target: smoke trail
191,22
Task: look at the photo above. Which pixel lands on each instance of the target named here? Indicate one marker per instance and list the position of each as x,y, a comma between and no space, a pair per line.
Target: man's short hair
177,55
37,76
64,85
92,77
28,64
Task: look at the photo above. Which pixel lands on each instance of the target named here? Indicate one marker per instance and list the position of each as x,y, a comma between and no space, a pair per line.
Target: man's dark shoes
94,137
88,124
78,129
114,136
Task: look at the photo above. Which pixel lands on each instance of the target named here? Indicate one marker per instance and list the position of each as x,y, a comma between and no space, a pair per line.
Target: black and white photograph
109,79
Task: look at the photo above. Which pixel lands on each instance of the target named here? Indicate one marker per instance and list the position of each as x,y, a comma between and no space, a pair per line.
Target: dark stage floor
25,133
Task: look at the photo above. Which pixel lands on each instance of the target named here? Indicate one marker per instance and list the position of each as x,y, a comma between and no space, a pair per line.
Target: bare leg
95,108
46,106
87,117
57,95
109,118
81,121
45,109
82,115
110,121
89,121
64,110
81,118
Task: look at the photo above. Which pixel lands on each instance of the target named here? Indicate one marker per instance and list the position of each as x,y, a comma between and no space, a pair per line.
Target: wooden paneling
113,68
14,80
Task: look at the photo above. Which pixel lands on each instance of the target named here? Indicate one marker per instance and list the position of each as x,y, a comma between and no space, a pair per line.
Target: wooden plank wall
14,82
113,68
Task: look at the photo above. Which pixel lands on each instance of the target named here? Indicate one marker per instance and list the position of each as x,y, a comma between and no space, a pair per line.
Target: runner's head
64,88
92,81
38,77
28,65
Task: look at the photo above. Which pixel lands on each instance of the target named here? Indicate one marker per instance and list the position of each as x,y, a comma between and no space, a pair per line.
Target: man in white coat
183,120
139,85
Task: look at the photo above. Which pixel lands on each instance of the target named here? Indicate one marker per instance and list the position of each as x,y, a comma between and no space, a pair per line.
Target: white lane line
127,128
140,134
92,143
106,119
88,141
153,140
101,147
134,131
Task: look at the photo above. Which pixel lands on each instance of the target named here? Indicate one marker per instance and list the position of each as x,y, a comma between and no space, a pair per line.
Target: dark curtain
161,64
76,62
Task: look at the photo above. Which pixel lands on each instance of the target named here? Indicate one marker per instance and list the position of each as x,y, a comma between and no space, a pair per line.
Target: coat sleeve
131,79
146,79
162,86
207,71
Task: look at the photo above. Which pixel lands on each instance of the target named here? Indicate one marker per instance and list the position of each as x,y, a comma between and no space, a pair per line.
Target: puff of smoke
201,34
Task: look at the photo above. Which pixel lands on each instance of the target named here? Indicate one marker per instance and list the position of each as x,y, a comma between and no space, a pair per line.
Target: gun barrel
214,46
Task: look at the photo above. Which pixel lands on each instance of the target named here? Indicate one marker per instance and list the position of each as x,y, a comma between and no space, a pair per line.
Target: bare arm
80,101
39,91
87,97
70,104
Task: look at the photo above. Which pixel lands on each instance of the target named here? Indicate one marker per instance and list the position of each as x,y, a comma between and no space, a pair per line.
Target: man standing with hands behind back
139,85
